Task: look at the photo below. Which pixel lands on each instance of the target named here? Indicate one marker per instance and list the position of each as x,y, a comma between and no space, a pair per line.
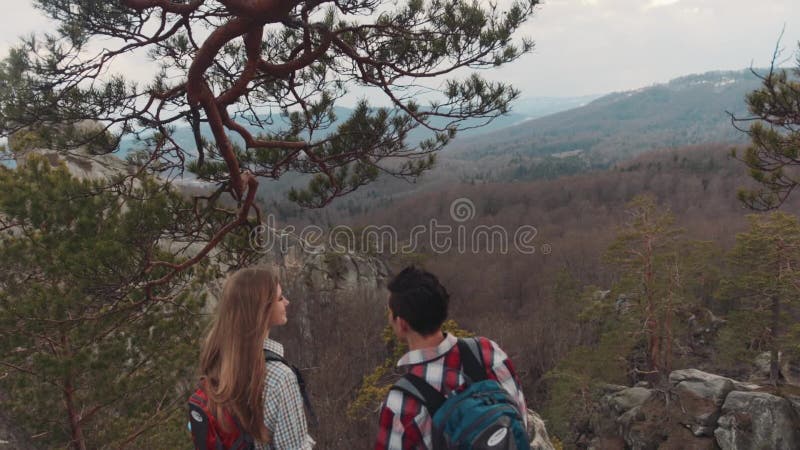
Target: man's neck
416,342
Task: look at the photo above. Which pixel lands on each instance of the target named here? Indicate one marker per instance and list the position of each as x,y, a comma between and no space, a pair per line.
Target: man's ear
403,325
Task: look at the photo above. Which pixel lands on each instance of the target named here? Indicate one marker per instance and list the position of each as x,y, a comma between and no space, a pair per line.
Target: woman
264,397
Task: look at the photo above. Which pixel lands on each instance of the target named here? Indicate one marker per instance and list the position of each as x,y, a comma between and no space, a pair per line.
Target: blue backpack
482,417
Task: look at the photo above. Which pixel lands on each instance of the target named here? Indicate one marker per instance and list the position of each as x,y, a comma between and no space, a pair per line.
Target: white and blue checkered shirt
283,406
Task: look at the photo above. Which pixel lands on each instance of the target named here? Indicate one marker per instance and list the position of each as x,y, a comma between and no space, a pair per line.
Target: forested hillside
543,306
691,110
275,164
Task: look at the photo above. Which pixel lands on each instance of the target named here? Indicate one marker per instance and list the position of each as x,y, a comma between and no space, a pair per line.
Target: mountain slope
523,109
689,110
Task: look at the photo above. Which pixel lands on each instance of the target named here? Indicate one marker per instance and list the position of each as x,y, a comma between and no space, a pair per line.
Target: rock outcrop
754,420
698,410
80,163
538,432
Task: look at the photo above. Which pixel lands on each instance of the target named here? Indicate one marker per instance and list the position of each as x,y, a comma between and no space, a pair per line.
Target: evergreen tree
764,289
773,158
89,360
645,254
231,65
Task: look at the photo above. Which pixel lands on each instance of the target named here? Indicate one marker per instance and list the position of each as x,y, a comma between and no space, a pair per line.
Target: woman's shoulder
279,373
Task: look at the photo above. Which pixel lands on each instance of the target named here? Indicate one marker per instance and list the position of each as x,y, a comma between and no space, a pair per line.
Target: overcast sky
599,46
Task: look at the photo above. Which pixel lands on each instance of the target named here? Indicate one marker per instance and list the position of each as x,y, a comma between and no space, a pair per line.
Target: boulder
761,366
757,420
607,443
627,399
82,164
790,369
788,366
700,396
538,431
683,439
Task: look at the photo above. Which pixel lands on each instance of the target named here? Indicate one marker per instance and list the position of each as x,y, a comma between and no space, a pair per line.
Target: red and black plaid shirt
405,424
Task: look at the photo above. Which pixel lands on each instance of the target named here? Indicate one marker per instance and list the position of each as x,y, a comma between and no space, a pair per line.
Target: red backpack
207,431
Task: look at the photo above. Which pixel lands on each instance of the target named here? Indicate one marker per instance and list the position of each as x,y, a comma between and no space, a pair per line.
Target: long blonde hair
232,361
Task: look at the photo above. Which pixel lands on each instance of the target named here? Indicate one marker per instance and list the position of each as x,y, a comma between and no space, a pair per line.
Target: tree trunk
78,442
774,365
652,324
76,430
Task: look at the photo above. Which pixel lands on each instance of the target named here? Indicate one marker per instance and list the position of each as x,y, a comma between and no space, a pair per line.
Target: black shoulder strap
269,355
471,363
471,359
245,440
200,425
422,391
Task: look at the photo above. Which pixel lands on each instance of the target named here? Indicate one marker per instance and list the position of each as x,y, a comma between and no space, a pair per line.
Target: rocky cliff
697,411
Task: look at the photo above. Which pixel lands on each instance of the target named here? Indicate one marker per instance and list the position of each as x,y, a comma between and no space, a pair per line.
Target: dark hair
419,298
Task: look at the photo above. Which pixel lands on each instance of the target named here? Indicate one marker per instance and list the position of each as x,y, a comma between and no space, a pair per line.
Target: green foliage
77,333
763,288
305,60
634,329
772,158
375,386
572,385
551,167
645,254
92,137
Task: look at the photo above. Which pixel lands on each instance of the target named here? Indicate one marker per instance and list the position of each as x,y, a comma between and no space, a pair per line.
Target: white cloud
591,46
660,3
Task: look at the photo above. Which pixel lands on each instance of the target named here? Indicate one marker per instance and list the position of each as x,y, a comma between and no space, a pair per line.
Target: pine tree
237,65
88,359
773,158
764,290
645,254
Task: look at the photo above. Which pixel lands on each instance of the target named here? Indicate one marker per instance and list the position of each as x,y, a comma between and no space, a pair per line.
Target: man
417,309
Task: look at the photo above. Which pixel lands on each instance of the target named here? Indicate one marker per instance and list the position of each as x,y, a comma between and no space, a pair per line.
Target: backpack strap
471,363
269,355
245,440
472,360
422,391
200,425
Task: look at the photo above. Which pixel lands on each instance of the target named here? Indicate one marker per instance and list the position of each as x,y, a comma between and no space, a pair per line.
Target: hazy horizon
592,47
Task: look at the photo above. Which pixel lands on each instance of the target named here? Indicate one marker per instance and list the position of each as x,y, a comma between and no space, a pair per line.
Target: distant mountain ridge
689,110
521,110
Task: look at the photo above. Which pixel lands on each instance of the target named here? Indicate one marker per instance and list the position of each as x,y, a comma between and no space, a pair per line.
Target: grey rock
699,431
538,431
790,369
761,366
700,395
610,388
630,417
747,387
629,398
81,164
794,400
757,420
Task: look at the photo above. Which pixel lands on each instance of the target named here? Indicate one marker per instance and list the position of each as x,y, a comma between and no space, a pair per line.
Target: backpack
483,416
207,432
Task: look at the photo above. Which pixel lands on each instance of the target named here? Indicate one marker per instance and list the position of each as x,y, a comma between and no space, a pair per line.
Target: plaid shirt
405,424
283,406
